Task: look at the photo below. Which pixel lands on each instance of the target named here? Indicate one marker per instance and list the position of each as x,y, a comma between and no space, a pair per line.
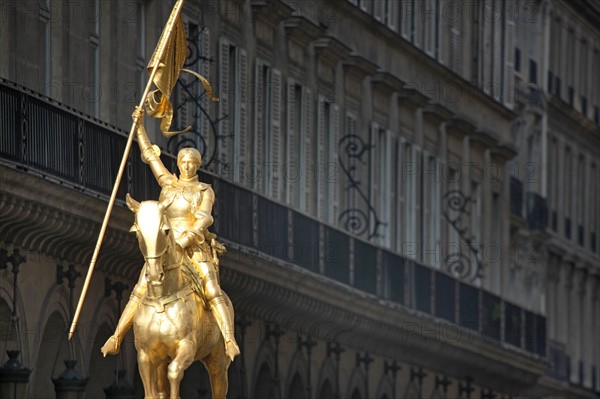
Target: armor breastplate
180,201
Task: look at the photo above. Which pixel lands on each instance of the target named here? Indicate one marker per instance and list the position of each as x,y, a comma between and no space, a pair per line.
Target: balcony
47,139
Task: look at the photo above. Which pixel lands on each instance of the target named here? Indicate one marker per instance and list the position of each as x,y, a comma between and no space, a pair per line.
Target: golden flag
169,66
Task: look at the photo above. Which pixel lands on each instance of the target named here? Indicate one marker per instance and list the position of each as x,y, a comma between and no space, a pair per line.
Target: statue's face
188,166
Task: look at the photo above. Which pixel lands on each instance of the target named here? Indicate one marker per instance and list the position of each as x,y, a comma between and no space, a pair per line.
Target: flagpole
159,51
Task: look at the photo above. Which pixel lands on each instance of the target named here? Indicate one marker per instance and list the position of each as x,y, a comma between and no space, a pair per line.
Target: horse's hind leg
184,356
217,363
148,375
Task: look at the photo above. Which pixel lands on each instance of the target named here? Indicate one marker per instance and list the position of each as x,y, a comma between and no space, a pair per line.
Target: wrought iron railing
40,136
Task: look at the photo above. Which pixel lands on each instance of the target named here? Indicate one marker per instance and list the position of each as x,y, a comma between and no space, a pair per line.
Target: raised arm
150,152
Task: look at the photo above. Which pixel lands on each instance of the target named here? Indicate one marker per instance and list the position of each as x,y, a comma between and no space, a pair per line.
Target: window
532,71
581,199
584,106
328,171
232,111
380,177
517,59
295,149
568,178
299,168
430,19
262,168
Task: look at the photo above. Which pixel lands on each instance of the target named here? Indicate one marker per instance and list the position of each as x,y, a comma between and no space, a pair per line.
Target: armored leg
218,305
112,345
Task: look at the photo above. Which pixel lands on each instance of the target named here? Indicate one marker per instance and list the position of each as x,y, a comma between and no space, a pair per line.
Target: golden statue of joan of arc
177,299
188,205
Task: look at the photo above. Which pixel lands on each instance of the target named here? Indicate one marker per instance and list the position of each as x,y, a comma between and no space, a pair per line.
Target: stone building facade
407,189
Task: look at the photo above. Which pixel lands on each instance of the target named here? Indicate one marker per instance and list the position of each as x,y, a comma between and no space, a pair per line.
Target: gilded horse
173,326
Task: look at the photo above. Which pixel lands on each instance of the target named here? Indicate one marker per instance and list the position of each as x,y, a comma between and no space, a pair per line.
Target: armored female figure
188,205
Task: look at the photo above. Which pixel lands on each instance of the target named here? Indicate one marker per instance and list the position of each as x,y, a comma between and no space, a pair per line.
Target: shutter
292,152
276,186
378,10
455,42
242,131
322,164
223,104
309,167
497,67
508,90
333,181
406,18
392,17
205,121
259,126
417,22
430,27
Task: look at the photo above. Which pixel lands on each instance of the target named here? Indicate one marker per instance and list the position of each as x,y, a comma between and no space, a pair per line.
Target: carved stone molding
56,233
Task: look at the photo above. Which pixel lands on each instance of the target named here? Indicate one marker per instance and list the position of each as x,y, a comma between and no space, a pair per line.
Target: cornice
330,50
386,83
359,66
301,30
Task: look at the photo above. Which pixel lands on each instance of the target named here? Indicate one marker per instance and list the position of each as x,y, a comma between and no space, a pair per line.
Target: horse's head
152,230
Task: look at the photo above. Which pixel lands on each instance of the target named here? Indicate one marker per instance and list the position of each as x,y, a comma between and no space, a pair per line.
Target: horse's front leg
148,375
184,356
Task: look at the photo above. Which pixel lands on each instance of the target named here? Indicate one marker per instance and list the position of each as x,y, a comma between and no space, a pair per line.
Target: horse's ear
131,203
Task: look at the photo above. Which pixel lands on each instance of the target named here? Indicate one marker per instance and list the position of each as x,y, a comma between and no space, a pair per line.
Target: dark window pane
512,324
532,71
469,307
445,298
234,218
337,257
540,327
491,315
272,229
365,270
530,332
422,287
393,267
306,242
